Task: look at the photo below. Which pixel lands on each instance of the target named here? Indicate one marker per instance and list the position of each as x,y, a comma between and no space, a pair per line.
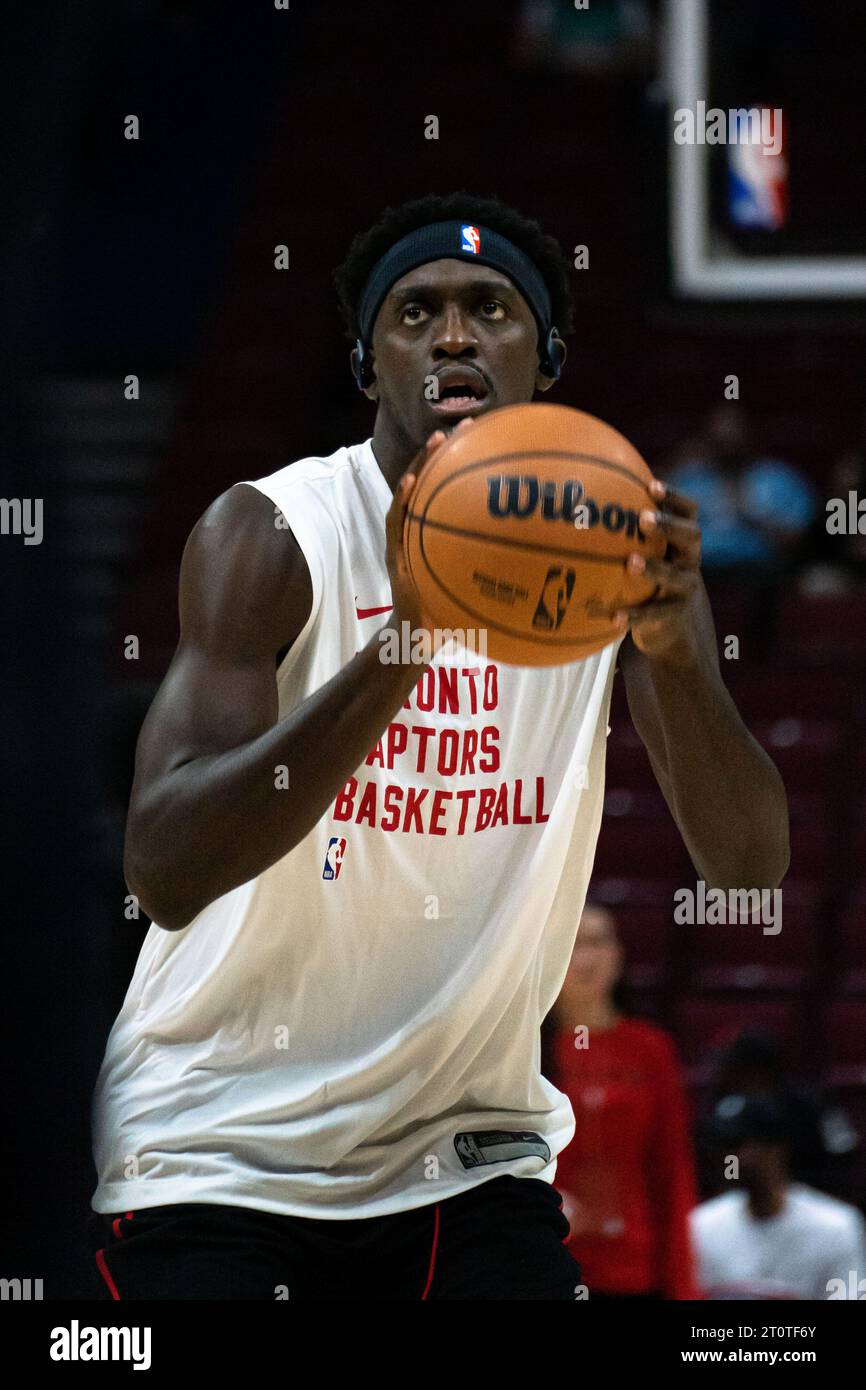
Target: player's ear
371,391
544,383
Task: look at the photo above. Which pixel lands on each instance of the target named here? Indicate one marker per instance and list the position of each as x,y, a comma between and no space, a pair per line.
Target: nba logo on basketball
334,857
555,598
471,239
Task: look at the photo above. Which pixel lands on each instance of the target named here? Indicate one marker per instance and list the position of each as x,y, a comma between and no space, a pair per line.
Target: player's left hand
656,624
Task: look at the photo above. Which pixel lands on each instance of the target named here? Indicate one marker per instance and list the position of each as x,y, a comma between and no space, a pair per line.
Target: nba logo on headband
471,239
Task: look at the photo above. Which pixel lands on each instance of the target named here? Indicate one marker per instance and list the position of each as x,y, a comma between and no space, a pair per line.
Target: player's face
459,332
596,960
759,1162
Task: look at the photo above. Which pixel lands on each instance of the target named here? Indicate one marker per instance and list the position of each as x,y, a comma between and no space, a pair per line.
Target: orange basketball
520,528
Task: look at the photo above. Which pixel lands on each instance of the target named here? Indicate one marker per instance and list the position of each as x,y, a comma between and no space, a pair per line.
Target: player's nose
454,333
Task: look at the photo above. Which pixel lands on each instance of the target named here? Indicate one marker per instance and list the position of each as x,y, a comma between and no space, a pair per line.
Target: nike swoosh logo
371,612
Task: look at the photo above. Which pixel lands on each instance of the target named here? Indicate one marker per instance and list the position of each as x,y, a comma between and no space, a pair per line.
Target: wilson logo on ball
518,495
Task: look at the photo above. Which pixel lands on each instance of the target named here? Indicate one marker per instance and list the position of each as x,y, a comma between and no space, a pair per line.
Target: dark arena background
713,303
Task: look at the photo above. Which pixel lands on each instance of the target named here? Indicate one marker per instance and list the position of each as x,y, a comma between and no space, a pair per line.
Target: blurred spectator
605,36
753,510
753,1064
769,1237
627,1177
836,563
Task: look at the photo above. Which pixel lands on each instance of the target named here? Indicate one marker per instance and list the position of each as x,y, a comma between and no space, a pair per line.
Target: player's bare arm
722,789
205,812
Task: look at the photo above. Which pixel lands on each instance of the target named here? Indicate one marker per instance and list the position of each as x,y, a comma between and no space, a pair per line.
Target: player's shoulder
313,470
716,1212
831,1212
260,509
265,531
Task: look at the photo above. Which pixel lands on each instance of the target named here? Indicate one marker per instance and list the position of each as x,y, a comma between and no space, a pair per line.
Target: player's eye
493,309
415,309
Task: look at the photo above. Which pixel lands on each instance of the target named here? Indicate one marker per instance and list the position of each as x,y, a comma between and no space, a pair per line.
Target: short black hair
396,222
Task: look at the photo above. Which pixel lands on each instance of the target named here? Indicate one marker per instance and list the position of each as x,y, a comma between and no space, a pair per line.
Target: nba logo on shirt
471,239
334,857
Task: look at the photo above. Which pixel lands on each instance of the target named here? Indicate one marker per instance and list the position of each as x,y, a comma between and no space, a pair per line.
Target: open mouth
459,397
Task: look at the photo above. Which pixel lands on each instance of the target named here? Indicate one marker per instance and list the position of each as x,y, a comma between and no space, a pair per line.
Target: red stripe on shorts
103,1269
433,1250
115,1225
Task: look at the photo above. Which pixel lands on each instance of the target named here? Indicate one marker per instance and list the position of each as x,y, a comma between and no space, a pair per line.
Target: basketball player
365,877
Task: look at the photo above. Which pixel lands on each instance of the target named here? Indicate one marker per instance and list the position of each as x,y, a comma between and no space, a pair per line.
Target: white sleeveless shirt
356,1031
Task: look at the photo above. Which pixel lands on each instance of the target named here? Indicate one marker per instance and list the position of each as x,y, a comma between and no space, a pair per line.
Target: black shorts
500,1239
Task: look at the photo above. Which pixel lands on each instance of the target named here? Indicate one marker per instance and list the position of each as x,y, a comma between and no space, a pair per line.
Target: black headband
454,241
